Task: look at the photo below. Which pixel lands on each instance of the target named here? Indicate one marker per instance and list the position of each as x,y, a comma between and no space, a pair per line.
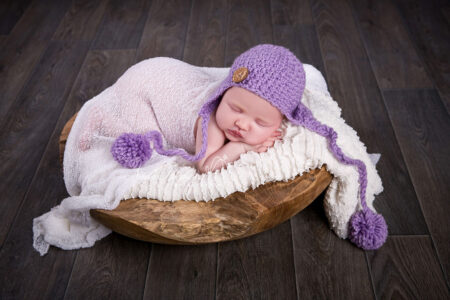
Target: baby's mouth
234,133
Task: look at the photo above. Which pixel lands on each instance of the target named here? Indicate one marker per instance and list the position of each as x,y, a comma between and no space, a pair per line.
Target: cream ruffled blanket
95,180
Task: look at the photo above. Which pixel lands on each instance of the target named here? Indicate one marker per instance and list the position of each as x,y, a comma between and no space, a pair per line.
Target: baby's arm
228,153
219,155
216,139
231,151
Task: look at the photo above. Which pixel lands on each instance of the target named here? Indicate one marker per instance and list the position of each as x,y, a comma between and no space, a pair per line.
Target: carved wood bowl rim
234,217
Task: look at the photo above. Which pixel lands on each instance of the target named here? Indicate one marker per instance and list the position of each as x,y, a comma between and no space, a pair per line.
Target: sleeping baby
242,122
264,85
216,119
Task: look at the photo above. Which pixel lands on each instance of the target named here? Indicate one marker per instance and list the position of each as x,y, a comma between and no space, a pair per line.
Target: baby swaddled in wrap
149,107
155,102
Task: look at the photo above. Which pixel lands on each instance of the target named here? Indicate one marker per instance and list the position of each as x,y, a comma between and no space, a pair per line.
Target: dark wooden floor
387,65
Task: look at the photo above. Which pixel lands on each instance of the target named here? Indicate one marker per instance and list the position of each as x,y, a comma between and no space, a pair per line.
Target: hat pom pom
367,230
131,150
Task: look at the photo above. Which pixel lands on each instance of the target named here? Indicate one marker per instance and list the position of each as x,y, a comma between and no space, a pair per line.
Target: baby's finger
268,143
262,149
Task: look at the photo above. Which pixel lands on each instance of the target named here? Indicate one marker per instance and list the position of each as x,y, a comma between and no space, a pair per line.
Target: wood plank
424,133
355,81
430,32
262,265
31,121
258,267
302,41
114,268
444,7
353,86
181,272
165,30
321,257
393,58
248,25
18,259
10,13
377,21
400,273
29,128
177,272
124,260
122,25
25,47
314,244
406,266
3,39
291,13
207,31
81,21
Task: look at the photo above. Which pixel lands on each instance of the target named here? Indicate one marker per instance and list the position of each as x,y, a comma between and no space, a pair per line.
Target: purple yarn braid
367,229
313,124
155,136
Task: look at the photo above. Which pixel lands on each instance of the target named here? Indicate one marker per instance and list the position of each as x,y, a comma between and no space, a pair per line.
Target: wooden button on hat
240,74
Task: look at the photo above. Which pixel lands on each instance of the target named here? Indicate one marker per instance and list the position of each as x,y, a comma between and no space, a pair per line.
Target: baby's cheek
258,138
219,122
266,133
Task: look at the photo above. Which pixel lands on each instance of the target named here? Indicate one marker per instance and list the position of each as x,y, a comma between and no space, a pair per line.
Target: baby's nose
242,124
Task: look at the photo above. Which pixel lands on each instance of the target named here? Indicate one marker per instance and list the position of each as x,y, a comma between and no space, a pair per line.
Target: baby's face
247,113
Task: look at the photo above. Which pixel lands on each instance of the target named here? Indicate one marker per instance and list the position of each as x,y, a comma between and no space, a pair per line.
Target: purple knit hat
275,74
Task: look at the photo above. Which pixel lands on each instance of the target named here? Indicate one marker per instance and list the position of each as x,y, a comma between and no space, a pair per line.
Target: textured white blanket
95,180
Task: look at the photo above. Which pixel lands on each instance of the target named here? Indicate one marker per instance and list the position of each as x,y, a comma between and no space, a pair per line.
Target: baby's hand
269,142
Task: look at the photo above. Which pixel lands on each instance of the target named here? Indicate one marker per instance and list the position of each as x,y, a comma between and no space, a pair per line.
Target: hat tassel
133,150
367,229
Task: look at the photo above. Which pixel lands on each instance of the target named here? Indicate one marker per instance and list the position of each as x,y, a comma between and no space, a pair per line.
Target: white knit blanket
95,180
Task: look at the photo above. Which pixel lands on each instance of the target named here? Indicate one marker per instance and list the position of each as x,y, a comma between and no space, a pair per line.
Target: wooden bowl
189,222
